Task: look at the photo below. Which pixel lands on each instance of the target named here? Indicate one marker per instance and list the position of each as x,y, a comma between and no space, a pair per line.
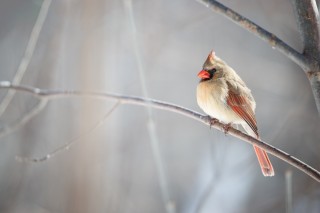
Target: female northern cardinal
222,94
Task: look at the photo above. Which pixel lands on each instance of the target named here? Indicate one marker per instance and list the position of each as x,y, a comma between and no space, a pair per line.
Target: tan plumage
222,94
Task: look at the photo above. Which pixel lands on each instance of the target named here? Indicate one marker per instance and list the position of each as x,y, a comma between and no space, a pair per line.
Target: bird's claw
226,128
213,121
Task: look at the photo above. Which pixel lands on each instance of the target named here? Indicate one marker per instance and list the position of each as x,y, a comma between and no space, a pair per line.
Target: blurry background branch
151,124
34,36
54,94
24,119
67,145
307,19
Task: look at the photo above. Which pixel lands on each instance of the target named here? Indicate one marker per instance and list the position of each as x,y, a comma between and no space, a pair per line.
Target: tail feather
264,161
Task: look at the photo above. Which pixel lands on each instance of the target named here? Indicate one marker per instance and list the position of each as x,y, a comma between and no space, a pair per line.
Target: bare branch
258,31
28,116
168,202
314,79
28,54
54,94
72,142
307,16
306,12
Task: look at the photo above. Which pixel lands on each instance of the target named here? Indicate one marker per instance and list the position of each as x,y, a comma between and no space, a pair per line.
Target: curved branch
26,118
54,94
258,31
67,145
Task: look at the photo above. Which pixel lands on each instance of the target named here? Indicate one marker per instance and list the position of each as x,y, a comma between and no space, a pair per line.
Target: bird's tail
264,161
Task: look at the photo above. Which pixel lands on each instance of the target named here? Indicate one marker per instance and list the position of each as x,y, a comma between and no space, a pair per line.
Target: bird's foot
213,121
226,127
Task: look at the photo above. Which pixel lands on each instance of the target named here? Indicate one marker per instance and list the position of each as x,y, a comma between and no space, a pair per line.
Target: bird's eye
212,71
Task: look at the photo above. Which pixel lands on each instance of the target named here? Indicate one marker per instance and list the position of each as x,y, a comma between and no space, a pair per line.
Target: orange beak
204,74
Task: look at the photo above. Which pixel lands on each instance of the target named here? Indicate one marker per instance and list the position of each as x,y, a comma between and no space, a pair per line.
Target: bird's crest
210,60
211,57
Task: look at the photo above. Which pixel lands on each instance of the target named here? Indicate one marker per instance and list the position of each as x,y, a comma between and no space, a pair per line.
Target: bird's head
210,67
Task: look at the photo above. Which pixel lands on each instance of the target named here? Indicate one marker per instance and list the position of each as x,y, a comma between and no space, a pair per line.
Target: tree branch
166,195
307,16
70,143
306,12
54,94
314,79
258,31
23,120
34,36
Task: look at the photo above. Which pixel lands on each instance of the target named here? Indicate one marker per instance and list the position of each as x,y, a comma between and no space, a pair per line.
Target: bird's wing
241,106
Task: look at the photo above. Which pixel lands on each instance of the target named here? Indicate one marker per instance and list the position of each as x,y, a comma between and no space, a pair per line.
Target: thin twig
72,142
151,125
54,94
28,116
258,31
28,53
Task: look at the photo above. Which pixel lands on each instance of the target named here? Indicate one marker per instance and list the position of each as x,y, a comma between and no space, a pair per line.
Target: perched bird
222,94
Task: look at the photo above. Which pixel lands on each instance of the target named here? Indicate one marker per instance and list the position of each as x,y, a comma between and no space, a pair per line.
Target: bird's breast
212,96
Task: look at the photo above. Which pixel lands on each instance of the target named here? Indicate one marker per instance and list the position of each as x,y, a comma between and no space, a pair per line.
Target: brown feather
243,109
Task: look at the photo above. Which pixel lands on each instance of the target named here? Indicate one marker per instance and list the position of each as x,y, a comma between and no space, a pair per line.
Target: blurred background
138,159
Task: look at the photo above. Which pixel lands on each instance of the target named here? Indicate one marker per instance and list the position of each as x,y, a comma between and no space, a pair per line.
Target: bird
223,95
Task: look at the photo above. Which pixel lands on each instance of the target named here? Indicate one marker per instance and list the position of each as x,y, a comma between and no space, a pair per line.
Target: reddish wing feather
241,107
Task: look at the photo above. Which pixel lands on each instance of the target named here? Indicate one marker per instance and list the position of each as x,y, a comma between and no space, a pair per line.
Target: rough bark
307,17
